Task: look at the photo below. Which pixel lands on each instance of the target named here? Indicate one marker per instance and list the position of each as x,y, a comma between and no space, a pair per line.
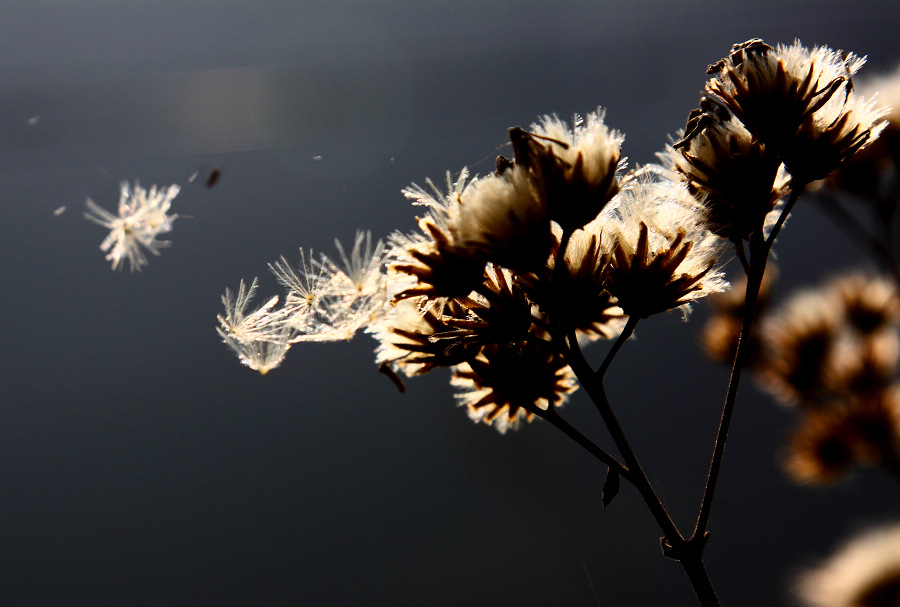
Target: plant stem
759,255
623,337
552,416
593,385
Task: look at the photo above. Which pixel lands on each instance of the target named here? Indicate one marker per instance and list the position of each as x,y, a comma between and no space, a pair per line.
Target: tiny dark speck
213,177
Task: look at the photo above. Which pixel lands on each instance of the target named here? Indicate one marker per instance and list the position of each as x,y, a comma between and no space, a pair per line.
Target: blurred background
141,464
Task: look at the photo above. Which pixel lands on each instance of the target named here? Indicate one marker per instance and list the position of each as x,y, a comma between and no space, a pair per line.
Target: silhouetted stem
623,337
593,385
759,255
552,415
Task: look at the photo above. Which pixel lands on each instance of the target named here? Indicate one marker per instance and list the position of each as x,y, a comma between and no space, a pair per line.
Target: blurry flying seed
317,158
59,211
213,177
34,120
193,176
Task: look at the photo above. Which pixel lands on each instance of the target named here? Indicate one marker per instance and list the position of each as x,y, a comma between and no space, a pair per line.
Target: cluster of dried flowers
142,216
509,275
501,270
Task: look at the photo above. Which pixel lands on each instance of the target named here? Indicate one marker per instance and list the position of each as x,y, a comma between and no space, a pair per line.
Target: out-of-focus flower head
723,329
574,169
798,339
661,256
837,436
863,573
798,101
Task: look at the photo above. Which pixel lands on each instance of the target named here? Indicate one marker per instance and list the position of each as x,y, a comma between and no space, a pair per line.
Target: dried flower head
501,219
798,101
506,384
574,169
415,340
142,216
870,174
661,254
863,573
736,176
574,294
436,258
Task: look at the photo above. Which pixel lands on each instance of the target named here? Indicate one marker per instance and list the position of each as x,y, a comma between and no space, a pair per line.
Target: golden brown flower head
864,573
798,101
574,169
661,255
506,384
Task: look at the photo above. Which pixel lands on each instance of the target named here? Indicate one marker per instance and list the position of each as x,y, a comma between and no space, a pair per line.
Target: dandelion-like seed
261,338
142,216
661,255
358,287
863,573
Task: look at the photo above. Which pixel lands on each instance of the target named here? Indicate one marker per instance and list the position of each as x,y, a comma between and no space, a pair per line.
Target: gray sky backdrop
140,464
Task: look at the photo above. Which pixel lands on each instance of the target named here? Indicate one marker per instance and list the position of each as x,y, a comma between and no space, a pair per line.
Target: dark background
140,464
